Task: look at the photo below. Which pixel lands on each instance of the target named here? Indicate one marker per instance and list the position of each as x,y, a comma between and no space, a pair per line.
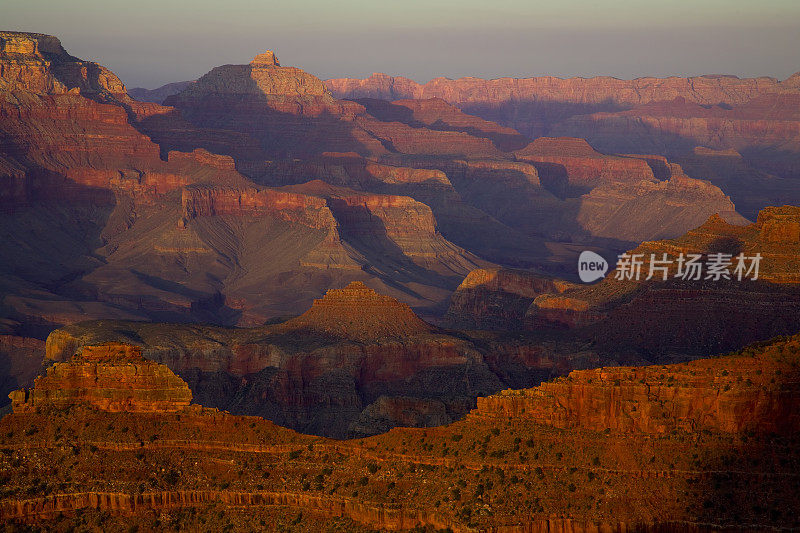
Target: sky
148,43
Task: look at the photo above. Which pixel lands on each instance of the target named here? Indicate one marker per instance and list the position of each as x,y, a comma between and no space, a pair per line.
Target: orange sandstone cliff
666,448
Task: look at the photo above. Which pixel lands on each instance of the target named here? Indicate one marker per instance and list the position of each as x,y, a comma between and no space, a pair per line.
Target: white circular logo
591,266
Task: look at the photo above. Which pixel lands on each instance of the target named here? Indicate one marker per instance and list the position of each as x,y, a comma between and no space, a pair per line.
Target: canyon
263,300
356,363
247,194
598,450
660,318
685,119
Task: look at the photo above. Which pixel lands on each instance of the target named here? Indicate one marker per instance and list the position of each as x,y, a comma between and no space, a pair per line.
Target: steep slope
100,221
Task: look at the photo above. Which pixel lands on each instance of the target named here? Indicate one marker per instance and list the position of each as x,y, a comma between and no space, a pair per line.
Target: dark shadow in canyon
753,478
535,118
386,111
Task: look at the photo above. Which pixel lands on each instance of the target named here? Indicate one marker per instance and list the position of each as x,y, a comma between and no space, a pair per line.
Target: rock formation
34,62
359,312
111,377
687,447
174,212
581,163
497,298
679,315
437,114
734,394
132,211
666,116
598,90
357,362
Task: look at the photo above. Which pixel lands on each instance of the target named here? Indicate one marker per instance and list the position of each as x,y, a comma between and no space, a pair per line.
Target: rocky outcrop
583,166
648,210
281,111
755,391
34,62
767,123
263,76
110,377
436,114
131,211
533,106
602,89
155,221
218,201
356,363
669,117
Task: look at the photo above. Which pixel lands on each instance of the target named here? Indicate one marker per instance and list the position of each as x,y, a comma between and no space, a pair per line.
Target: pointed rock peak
265,60
359,313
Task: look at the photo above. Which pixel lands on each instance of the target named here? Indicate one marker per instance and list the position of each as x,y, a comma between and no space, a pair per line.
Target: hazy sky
152,42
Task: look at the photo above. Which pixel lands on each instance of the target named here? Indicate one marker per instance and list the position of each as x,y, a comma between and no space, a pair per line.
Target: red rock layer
111,377
704,446
766,127
437,114
582,164
751,392
208,201
34,62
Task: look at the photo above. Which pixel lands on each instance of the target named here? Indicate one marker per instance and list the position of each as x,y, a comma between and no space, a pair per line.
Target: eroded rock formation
753,391
613,449
359,312
111,377
677,315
